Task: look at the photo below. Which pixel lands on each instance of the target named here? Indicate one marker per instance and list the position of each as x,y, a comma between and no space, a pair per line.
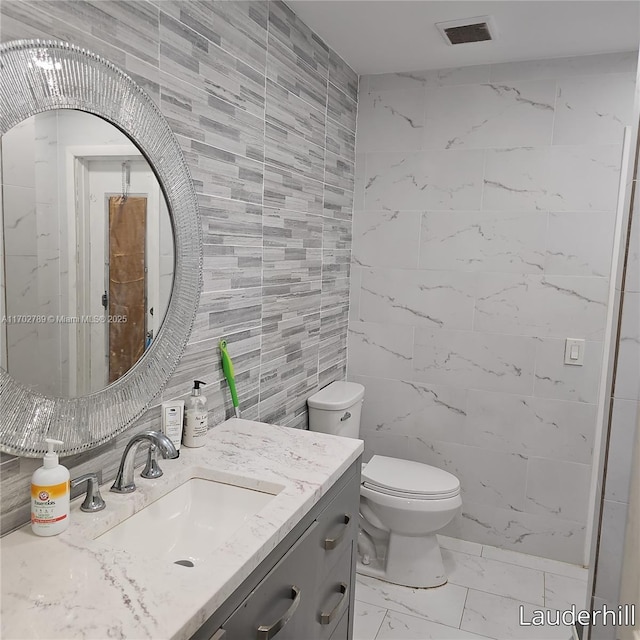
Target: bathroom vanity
285,571
305,586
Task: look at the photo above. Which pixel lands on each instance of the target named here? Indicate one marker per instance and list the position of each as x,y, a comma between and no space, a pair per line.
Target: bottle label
47,501
200,424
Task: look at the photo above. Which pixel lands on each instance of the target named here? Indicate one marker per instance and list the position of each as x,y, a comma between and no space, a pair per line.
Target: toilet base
412,561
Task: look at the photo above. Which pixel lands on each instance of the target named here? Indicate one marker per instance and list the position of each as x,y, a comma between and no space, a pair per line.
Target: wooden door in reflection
127,283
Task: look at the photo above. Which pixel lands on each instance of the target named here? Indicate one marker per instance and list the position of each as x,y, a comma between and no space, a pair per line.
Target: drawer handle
266,632
218,635
327,618
332,543
346,416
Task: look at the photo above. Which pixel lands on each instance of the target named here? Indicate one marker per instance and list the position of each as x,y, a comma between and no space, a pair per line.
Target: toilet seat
407,479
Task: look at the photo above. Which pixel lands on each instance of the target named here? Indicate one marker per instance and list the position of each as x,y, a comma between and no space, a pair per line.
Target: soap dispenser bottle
50,493
195,430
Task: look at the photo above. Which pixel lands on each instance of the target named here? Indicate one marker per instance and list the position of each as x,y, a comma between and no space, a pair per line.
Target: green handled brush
227,368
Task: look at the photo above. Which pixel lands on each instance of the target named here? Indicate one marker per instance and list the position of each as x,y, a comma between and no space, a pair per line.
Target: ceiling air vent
467,30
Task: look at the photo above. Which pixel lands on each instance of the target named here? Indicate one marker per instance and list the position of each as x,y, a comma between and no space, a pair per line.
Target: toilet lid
407,478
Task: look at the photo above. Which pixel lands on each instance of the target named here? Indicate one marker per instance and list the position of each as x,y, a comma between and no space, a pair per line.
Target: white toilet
402,504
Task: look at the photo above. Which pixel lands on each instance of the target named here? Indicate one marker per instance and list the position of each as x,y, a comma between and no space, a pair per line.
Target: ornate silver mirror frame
36,76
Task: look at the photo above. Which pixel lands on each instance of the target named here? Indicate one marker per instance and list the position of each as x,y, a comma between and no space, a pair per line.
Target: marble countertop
74,586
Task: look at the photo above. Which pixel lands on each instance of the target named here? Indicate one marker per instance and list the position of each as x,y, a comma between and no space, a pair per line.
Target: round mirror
87,253
100,235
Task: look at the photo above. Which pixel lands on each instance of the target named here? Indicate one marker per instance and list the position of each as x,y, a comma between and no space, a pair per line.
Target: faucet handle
152,468
93,500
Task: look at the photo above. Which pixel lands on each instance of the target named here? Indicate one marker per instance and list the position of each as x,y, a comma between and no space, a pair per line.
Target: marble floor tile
443,604
495,577
535,562
399,626
454,544
499,617
560,592
367,620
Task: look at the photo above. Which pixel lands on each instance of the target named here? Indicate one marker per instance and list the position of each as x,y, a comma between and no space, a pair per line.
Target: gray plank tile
332,351
226,267
220,173
240,28
338,171
289,406
294,75
337,202
335,290
132,27
20,20
224,312
291,229
341,108
337,371
230,222
287,190
300,420
297,37
16,494
285,266
286,382
279,374
343,76
285,150
27,19
336,234
15,517
291,300
341,141
335,264
9,466
191,57
144,74
334,321
197,115
282,336
292,252
286,111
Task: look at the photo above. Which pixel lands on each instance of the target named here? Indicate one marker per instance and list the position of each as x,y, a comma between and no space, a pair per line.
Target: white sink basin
186,524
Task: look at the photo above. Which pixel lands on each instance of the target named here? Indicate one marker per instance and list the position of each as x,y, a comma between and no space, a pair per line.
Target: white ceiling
380,36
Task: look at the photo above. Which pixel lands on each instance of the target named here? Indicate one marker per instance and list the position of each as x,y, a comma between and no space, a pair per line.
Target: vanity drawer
283,604
341,631
333,596
337,528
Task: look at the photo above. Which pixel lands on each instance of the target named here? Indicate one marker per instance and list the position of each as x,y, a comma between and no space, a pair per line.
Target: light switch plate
574,352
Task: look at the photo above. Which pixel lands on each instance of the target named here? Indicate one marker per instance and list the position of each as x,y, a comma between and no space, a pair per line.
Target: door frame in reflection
83,295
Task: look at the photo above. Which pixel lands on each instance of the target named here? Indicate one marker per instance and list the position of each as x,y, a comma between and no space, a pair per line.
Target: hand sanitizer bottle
50,492
195,430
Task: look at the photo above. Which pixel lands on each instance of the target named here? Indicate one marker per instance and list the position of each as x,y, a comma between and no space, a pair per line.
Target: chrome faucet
157,441
93,500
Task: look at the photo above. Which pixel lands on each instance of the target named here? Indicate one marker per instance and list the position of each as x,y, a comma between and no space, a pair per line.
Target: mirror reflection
86,253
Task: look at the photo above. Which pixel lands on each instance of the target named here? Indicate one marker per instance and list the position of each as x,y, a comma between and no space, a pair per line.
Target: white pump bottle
195,431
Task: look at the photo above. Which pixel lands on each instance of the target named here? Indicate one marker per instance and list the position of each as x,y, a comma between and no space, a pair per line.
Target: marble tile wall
482,237
265,113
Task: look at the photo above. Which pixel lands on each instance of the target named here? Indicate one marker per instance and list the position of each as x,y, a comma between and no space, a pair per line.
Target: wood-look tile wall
265,113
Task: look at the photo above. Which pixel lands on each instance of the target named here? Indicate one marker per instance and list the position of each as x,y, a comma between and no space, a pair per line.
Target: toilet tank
336,409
